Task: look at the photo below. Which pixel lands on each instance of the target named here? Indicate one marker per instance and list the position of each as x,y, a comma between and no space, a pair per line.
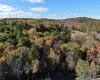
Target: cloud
54,14
39,9
23,14
6,8
70,15
36,1
7,11
19,14
61,16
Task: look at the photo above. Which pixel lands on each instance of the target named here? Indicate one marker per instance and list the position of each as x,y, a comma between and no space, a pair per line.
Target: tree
65,35
70,60
35,66
46,34
16,66
27,68
1,72
42,28
79,38
34,52
23,54
82,70
5,71
55,35
2,47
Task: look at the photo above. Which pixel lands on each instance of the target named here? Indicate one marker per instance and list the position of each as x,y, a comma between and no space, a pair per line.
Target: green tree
55,35
65,35
82,70
34,52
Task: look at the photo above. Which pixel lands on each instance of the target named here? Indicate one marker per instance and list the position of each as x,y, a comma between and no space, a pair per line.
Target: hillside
83,24
45,49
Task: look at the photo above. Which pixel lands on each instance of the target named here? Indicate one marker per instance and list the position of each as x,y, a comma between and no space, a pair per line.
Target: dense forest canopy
83,24
45,49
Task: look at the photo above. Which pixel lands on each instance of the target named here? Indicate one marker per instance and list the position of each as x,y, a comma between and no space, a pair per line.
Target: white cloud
39,9
23,14
19,14
54,14
70,15
61,16
36,1
7,11
6,8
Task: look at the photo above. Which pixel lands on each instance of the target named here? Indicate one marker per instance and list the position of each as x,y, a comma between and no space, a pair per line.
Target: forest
49,49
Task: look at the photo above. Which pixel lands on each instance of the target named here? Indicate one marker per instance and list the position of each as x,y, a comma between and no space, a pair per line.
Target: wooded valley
48,49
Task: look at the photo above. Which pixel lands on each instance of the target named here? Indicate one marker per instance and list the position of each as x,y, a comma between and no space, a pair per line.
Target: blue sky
55,9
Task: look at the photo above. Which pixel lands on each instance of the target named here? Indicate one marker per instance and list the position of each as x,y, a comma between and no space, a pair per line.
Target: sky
52,9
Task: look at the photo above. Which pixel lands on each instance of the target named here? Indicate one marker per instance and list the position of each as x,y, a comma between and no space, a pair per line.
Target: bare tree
16,67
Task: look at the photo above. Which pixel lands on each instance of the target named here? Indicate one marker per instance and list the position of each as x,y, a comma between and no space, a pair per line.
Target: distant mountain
83,24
